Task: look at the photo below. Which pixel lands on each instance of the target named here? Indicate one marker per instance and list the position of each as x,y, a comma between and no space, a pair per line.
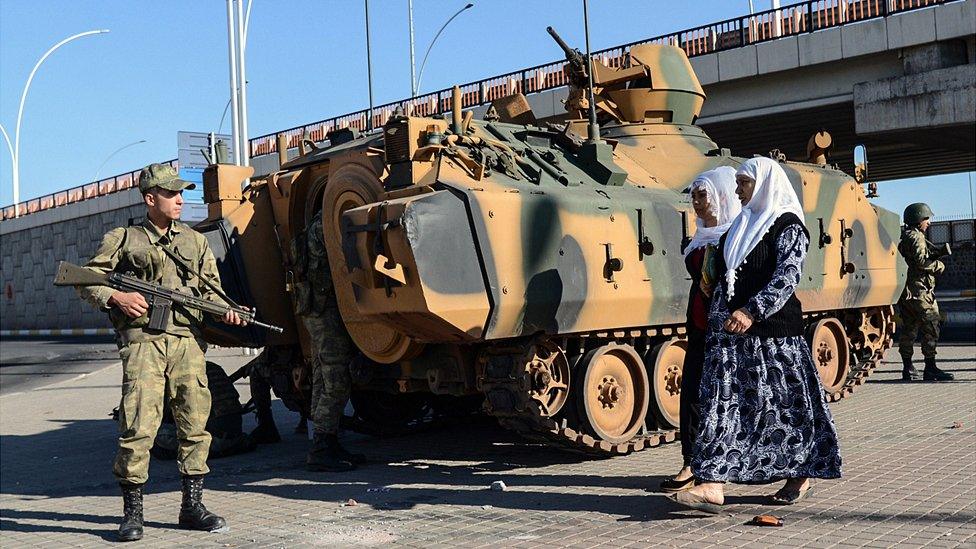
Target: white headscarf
719,185
772,197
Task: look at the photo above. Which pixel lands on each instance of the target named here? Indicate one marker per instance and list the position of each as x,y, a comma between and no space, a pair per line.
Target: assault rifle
160,298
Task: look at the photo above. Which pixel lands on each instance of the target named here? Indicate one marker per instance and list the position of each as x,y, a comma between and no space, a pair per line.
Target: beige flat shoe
693,501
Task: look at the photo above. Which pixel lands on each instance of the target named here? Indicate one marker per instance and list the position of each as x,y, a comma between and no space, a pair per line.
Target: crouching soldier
917,306
159,364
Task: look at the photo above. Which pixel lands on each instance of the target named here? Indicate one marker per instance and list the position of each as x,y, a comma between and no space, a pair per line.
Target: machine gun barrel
570,52
160,298
574,57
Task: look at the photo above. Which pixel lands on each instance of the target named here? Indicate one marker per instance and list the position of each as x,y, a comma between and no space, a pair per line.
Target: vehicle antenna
593,130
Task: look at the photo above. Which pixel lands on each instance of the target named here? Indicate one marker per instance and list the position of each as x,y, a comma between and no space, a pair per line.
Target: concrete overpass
903,85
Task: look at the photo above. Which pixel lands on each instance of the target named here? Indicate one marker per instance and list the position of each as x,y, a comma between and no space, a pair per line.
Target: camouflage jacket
314,293
137,251
921,256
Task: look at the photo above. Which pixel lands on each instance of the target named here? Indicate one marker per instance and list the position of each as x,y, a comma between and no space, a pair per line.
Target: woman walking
713,198
764,417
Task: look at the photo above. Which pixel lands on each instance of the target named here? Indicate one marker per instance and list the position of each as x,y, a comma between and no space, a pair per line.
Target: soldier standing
917,306
332,352
157,364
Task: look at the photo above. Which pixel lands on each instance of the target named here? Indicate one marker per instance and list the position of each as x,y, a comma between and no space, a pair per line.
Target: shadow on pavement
454,466
9,523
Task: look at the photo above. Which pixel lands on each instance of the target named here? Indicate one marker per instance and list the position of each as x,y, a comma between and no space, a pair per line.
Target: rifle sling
188,269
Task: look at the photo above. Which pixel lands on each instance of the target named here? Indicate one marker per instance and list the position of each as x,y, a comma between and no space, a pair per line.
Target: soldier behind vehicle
332,350
157,363
917,306
261,375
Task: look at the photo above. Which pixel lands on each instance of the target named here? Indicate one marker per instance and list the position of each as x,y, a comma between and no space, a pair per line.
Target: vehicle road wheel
828,345
613,394
669,360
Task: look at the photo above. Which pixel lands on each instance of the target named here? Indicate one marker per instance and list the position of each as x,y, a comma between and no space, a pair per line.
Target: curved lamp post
423,63
109,157
15,149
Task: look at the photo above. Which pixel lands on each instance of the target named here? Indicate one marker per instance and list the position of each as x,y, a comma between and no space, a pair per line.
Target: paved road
909,480
30,363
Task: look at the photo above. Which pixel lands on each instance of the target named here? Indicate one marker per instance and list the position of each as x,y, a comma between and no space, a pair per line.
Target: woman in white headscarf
764,416
716,205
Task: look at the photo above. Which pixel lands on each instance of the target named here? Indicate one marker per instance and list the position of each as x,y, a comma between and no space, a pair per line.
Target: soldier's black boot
908,371
326,455
193,515
933,373
131,527
266,432
333,441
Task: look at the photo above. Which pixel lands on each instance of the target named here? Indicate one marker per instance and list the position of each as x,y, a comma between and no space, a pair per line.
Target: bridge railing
791,20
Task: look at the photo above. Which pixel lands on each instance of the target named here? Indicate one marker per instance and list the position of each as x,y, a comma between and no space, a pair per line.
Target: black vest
756,273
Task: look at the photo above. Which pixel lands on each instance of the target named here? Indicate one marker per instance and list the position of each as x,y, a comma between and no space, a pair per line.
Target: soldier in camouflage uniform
917,306
157,364
260,373
332,350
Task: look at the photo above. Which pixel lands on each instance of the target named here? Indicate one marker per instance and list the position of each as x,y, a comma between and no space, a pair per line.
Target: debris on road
498,486
766,520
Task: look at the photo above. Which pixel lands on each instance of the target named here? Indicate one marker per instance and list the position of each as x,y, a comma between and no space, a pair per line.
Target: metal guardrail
800,18
955,232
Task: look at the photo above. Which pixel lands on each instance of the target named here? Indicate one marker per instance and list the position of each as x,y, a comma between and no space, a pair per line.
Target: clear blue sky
163,68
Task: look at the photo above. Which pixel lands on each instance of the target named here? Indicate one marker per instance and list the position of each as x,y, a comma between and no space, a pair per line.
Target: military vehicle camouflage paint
544,270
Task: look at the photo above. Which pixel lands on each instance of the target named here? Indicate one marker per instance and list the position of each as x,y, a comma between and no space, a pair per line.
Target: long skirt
691,375
764,416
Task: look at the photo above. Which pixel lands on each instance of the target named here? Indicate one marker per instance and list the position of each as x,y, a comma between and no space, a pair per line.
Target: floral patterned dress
764,416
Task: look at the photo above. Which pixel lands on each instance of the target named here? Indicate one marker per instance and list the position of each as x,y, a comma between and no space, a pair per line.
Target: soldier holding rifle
161,362
917,306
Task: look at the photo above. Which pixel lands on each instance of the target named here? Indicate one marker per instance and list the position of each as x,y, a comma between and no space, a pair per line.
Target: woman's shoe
694,501
672,485
789,496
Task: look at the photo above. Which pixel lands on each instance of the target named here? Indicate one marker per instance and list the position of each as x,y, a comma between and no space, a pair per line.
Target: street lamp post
109,157
15,148
420,75
232,65
413,72
369,69
238,22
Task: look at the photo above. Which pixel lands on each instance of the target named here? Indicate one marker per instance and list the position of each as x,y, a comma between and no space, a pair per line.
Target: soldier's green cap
162,176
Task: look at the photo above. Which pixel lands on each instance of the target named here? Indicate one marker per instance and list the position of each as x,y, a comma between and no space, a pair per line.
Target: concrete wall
30,248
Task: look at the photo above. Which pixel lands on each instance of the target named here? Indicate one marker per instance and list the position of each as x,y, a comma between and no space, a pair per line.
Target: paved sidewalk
909,480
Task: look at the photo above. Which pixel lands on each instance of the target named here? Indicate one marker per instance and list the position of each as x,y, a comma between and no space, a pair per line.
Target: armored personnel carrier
538,267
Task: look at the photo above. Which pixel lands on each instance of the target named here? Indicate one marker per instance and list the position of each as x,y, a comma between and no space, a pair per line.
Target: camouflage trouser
259,379
918,315
172,367
331,383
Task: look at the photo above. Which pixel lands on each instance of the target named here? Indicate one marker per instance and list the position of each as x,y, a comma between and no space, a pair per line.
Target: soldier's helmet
917,213
164,176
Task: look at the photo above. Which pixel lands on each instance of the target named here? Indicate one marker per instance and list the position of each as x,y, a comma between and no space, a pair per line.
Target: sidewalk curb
955,293
59,332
